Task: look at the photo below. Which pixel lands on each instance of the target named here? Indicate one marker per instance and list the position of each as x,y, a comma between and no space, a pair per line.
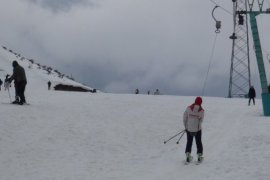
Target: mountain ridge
46,73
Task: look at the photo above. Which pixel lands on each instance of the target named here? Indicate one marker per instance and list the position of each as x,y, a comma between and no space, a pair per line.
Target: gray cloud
61,5
122,45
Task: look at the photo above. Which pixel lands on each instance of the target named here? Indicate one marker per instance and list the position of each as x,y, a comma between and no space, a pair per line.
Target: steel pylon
240,61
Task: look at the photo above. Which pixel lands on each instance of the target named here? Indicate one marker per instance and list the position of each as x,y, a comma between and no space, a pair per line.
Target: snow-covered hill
85,136
39,74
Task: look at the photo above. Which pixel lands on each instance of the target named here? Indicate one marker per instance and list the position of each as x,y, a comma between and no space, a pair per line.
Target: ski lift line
209,65
260,3
222,7
218,23
213,12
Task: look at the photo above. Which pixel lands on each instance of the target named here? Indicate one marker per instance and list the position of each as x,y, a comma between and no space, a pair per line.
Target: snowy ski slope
102,136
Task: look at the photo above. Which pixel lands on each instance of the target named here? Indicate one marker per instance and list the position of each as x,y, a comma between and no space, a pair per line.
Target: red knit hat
198,101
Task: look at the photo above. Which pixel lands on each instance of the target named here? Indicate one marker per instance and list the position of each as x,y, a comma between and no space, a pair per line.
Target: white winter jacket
193,118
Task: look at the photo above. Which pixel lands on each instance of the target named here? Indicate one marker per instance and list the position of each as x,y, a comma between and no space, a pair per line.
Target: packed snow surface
85,136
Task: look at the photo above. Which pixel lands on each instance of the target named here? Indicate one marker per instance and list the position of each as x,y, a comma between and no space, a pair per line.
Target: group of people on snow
20,81
192,117
148,92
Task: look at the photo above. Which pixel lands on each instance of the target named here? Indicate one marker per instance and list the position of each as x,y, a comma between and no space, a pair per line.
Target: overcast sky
120,45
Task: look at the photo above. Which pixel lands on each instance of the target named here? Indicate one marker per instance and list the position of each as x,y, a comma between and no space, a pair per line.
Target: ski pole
173,136
9,95
180,137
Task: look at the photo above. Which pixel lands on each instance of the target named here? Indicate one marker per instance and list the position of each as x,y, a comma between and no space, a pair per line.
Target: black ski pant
20,88
16,91
253,99
198,138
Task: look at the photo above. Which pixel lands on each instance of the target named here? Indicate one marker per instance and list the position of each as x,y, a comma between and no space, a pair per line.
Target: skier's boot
21,103
16,101
188,157
200,157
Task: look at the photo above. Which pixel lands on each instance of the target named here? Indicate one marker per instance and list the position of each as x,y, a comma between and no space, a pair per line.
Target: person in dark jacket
251,95
1,82
49,85
20,82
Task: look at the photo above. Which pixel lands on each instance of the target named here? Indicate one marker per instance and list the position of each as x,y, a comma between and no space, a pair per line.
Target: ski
199,162
188,160
196,162
16,104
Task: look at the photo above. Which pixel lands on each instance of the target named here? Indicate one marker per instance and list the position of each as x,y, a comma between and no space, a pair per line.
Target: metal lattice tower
240,61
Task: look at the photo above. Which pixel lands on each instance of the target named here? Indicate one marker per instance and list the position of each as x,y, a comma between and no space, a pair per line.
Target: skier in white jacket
193,118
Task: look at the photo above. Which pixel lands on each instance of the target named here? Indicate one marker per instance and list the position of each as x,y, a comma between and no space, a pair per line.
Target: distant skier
193,118
137,91
251,95
7,84
20,82
157,92
49,85
1,82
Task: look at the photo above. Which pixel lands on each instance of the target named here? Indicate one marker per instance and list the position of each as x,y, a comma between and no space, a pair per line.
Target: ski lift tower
257,45
240,61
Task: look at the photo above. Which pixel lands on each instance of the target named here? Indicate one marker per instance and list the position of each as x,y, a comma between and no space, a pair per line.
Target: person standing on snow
7,85
193,118
49,85
156,92
1,82
20,81
251,95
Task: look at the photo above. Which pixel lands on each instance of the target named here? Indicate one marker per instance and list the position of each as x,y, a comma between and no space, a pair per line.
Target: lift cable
209,65
218,26
227,11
